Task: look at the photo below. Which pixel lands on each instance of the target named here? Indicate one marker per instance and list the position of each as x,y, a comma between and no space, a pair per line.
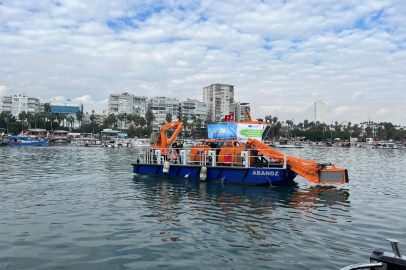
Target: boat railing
206,157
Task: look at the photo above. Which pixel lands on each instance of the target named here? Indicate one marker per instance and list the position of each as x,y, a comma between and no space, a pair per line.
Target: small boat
113,144
385,145
283,143
140,143
25,141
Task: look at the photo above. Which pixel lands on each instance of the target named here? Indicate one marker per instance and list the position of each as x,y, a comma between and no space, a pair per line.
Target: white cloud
58,98
383,111
280,56
3,90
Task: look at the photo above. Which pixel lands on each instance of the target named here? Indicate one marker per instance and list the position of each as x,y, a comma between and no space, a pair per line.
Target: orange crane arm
312,171
163,142
248,114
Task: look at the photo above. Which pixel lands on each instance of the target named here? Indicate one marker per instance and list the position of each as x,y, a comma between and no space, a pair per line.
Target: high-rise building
240,114
127,103
219,99
160,107
320,111
16,104
192,107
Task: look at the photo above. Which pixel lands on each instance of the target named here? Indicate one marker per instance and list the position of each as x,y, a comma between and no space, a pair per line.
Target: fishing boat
243,160
25,141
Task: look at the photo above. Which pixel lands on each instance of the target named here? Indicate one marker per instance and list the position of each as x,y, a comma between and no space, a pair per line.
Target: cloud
280,55
3,90
89,104
383,111
58,98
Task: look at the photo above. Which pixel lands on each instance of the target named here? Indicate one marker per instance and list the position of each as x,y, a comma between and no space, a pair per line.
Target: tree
121,118
22,115
306,124
143,122
149,116
51,117
70,120
36,117
268,118
168,117
47,108
79,117
137,120
92,118
7,116
29,117
60,118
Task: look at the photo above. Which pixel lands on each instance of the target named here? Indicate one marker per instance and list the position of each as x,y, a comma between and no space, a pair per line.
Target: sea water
66,207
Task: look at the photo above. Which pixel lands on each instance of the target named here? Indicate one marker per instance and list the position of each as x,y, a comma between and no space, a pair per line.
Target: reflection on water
82,208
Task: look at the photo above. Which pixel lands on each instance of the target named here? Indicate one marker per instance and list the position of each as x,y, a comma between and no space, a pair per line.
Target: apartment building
219,99
160,107
127,103
193,107
240,114
16,104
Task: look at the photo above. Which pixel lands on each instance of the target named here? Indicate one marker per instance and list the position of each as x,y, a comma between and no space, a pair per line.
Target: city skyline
280,55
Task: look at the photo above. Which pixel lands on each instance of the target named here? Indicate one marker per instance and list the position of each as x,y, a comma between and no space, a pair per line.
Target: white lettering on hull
266,173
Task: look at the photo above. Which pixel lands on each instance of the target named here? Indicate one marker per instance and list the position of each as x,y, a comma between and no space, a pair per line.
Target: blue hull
255,176
40,143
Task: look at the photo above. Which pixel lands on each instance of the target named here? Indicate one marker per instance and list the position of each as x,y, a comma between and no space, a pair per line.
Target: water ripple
82,208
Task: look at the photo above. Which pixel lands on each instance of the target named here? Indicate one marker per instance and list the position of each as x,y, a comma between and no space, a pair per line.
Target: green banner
252,133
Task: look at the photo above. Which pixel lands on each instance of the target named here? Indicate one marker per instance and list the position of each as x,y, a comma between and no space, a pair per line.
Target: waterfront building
127,103
160,107
219,99
320,111
192,107
67,107
16,104
239,111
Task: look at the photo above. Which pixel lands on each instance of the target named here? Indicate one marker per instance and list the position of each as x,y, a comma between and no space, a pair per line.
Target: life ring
173,154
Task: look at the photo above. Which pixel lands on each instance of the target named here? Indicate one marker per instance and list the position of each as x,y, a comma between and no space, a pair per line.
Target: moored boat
25,141
60,136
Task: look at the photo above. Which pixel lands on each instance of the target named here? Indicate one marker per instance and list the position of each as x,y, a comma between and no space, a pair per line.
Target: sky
281,55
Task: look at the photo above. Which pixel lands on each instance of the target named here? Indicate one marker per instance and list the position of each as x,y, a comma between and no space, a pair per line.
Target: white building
192,107
16,104
219,99
239,111
320,111
160,107
127,103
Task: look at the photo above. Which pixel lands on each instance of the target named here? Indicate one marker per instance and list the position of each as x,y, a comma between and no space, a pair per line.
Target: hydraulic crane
163,143
313,171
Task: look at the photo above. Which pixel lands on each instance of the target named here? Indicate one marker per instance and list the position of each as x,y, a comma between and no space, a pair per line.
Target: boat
283,143
385,145
60,136
230,160
383,259
140,143
113,144
346,144
25,141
